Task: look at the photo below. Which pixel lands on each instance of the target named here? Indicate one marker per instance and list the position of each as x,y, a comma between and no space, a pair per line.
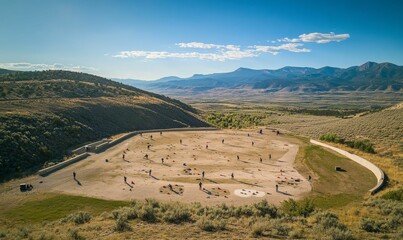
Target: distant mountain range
370,76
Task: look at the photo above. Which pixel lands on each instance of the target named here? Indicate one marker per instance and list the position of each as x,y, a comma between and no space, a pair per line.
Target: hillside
44,114
384,128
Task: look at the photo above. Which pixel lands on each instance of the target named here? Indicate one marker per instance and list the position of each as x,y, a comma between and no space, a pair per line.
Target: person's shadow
78,182
284,193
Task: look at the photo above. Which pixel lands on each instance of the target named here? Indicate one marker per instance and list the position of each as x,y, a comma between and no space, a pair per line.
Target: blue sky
151,39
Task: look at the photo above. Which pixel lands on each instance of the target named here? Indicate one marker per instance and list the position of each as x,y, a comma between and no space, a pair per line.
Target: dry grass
383,128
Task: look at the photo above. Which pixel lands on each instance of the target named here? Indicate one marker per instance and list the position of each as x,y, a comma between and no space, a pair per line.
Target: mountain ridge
369,76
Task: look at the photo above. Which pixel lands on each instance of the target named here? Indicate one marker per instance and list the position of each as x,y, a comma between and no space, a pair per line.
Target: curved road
380,176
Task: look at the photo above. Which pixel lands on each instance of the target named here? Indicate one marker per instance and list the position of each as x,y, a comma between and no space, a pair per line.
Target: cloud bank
221,52
24,66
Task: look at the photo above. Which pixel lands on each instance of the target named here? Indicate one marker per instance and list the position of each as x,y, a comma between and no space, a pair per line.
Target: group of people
203,172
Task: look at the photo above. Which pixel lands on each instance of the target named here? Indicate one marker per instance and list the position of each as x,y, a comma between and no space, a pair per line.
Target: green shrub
81,217
371,225
176,213
296,233
303,208
122,225
329,220
332,137
45,236
211,225
279,228
23,232
73,234
363,145
259,227
234,120
125,212
394,195
339,234
2,234
265,209
148,213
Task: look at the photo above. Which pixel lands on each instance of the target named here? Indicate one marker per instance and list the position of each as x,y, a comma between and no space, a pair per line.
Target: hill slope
43,114
384,128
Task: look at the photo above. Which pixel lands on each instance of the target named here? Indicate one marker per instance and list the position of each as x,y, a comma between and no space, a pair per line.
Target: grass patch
334,201
335,189
59,206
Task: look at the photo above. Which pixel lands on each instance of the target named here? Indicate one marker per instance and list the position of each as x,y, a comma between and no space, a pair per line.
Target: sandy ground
102,175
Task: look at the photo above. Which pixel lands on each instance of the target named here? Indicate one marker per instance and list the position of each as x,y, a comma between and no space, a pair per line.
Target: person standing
203,175
74,175
200,185
232,175
149,173
261,160
276,188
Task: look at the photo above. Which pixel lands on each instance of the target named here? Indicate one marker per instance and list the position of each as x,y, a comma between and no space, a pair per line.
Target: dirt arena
177,161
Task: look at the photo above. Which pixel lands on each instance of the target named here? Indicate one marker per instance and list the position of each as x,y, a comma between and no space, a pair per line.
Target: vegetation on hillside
363,145
153,219
234,120
44,114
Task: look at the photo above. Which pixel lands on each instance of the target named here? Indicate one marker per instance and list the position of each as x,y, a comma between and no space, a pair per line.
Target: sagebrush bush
259,227
23,232
211,225
339,234
148,213
279,228
396,195
122,225
125,212
371,225
73,234
176,213
294,208
265,209
329,220
77,218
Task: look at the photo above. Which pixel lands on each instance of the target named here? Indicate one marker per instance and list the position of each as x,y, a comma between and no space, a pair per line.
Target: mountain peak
241,69
367,66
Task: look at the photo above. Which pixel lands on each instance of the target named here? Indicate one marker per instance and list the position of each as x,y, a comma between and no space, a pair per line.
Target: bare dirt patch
146,165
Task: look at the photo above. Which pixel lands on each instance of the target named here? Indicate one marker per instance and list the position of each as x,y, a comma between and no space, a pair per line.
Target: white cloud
290,47
233,54
208,46
317,37
323,37
43,66
199,45
286,39
221,52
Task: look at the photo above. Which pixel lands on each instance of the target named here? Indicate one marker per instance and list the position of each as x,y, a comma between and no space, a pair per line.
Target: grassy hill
384,128
43,114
